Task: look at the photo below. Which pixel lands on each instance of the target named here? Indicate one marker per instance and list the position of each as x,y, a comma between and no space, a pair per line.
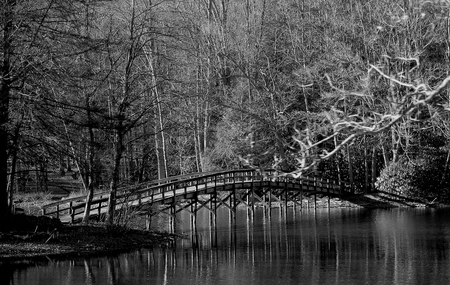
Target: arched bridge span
210,190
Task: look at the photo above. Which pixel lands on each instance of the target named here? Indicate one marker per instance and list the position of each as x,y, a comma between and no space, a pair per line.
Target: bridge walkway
210,190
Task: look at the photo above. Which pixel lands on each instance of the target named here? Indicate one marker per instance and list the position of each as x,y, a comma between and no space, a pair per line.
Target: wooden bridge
210,190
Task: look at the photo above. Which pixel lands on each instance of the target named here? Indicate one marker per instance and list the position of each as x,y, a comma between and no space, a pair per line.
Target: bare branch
351,126
391,78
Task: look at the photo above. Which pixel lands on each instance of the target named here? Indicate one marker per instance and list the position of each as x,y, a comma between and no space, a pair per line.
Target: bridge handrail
146,185
136,186
175,179
166,185
73,199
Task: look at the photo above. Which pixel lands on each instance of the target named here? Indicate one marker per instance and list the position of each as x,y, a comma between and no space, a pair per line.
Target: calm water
340,246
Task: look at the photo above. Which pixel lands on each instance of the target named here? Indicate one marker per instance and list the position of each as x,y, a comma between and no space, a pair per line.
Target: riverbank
76,240
380,200
377,200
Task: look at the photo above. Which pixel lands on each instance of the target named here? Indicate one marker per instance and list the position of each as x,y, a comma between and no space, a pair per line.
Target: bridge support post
250,210
253,197
194,235
232,217
301,195
233,204
286,195
234,198
213,222
315,192
172,218
286,198
270,201
328,193
148,221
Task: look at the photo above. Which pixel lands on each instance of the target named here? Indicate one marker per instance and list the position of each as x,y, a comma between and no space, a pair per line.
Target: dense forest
127,91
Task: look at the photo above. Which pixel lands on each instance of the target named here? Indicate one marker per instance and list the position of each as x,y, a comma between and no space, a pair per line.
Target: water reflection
340,246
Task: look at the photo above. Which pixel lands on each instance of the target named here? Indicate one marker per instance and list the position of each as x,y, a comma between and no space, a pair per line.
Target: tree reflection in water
347,246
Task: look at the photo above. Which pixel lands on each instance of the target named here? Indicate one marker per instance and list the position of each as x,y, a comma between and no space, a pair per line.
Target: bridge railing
56,208
74,206
182,184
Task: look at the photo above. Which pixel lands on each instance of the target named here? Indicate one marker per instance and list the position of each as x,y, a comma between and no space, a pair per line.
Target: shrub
416,178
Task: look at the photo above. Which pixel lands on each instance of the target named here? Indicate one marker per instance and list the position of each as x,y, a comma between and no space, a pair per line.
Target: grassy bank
20,243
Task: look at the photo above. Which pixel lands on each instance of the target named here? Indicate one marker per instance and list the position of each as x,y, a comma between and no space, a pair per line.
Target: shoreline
68,241
77,241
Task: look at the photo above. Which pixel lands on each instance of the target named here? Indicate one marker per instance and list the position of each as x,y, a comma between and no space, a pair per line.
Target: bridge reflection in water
323,246
246,189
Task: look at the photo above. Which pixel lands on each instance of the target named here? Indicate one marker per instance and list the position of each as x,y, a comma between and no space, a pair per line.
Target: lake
285,246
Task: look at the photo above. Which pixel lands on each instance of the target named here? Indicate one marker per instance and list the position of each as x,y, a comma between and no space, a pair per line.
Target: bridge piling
301,196
286,198
172,218
148,221
270,201
328,193
250,210
212,223
194,225
315,192
253,196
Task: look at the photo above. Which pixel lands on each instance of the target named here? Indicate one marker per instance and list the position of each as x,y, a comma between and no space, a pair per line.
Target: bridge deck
172,190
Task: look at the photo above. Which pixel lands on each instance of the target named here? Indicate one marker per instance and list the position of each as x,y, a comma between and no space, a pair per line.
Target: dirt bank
66,241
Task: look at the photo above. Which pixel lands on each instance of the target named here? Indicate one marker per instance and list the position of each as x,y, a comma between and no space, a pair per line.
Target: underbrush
74,194
422,178
31,202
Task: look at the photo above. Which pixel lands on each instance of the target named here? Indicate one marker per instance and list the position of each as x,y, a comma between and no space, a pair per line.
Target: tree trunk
74,154
115,176
4,98
121,128
395,144
350,167
444,174
91,161
374,168
366,167
158,153
198,155
338,164
385,156
160,143
205,129
197,140
12,178
131,163
5,89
